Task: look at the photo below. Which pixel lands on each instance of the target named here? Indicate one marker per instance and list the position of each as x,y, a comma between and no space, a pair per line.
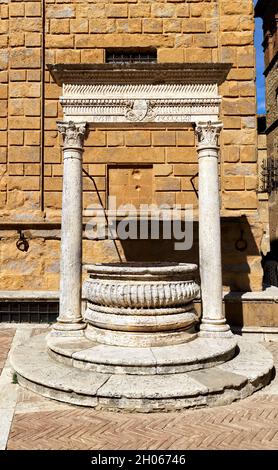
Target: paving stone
250,424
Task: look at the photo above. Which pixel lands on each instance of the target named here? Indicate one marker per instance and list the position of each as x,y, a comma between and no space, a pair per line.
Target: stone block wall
164,161
272,138
263,196
20,107
168,154
272,101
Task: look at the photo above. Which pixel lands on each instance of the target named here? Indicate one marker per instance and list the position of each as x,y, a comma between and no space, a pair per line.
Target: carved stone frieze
127,103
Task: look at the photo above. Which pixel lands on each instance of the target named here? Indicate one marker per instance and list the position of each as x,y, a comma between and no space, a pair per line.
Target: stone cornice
140,93
140,73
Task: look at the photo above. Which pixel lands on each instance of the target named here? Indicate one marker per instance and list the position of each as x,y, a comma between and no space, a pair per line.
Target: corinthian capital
73,134
208,133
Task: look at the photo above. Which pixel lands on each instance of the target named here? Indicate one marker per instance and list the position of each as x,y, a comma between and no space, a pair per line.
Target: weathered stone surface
200,353
197,351
113,355
171,320
267,11
146,298
252,361
142,286
68,346
149,387
134,339
214,386
44,371
216,380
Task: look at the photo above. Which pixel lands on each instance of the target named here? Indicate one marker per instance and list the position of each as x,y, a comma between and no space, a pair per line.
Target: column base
68,329
215,328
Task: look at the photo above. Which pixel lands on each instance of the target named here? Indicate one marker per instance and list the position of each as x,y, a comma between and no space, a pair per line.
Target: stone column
213,320
70,318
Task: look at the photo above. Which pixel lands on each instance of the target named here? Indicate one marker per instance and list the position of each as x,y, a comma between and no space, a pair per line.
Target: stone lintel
140,73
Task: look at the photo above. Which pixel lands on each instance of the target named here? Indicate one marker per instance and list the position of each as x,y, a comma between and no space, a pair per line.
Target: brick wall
73,32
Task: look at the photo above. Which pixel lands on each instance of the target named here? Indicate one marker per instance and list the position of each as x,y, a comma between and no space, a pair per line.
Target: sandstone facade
161,162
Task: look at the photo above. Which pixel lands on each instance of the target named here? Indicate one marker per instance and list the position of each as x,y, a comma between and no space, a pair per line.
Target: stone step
250,370
179,358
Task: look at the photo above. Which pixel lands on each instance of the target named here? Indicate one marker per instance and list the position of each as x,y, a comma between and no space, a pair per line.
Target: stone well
140,348
140,320
137,346
141,305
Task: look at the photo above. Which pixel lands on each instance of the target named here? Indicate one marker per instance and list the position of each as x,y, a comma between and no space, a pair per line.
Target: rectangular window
131,56
29,312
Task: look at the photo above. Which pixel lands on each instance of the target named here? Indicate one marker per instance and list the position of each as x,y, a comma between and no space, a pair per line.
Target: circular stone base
198,354
166,320
133,339
247,372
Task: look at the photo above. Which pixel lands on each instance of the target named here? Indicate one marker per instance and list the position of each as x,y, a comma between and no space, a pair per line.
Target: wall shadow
270,265
240,254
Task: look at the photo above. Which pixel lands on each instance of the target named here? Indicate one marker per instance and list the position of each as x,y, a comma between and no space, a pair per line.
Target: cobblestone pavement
39,423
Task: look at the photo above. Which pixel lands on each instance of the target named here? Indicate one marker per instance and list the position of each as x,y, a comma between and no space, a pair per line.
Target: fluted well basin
141,304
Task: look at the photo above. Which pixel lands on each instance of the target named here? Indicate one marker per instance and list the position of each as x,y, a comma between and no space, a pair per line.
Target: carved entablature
142,93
